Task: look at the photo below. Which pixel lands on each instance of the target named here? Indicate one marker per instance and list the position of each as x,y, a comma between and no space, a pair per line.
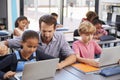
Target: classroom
59,40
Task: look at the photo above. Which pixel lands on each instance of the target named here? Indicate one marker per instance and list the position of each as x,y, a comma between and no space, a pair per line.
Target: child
99,30
2,26
90,15
28,53
55,15
85,48
20,25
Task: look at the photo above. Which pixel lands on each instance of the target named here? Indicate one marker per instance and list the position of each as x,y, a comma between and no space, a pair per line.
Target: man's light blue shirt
58,45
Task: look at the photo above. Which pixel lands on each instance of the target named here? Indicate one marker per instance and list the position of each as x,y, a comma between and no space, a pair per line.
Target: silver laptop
109,56
40,70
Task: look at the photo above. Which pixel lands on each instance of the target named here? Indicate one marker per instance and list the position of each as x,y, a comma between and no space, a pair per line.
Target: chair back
76,33
117,23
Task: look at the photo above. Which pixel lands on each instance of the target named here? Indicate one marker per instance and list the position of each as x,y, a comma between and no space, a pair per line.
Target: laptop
107,38
40,70
109,56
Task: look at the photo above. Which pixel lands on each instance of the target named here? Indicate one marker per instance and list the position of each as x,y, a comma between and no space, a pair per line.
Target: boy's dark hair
96,20
29,34
48,19
54,14
20,19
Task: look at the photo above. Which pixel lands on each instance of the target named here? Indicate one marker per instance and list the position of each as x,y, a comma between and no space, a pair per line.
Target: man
51,42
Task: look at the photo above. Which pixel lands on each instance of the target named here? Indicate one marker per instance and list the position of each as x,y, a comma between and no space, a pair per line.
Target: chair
3,35
109,17
117,23
76,33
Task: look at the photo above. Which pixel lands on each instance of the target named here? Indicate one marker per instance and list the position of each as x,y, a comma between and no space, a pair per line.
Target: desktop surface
91,76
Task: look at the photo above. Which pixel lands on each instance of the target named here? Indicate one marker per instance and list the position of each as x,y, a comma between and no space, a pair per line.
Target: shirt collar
53,39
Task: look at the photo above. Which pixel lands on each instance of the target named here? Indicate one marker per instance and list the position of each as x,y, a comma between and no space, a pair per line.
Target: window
73,11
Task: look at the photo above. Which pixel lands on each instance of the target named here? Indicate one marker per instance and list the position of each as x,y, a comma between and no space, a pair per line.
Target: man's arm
68,61
67,52
5,43
10,43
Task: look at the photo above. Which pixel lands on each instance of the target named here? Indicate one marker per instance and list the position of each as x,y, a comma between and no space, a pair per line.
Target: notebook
39,70
109,56
85,68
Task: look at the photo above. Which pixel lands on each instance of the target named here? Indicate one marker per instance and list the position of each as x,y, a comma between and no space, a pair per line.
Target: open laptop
40,70
109,56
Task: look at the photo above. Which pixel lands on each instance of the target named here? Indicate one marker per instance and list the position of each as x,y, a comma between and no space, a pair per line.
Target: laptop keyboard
18,76
110,71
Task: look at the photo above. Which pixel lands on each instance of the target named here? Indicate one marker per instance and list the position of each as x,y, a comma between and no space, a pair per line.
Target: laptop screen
39,70
109,56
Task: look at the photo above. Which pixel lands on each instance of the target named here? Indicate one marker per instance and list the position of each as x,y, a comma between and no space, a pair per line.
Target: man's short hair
48,19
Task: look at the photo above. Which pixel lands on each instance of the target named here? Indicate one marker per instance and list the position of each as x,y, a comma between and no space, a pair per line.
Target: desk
65,75
67,33
103,42
62,29
107,27
70,73
110,41
90,76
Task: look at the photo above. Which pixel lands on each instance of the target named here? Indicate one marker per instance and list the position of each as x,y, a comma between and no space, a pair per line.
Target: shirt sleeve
98,49
42,56
5,62
65,47
14,43
75,48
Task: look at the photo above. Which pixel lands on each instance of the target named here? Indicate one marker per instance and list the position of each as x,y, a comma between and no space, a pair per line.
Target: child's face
30,46
23,23
2,27
98,26
86,37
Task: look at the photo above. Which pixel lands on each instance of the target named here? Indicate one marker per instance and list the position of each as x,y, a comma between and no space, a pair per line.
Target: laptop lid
40,69
109,56
107,38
